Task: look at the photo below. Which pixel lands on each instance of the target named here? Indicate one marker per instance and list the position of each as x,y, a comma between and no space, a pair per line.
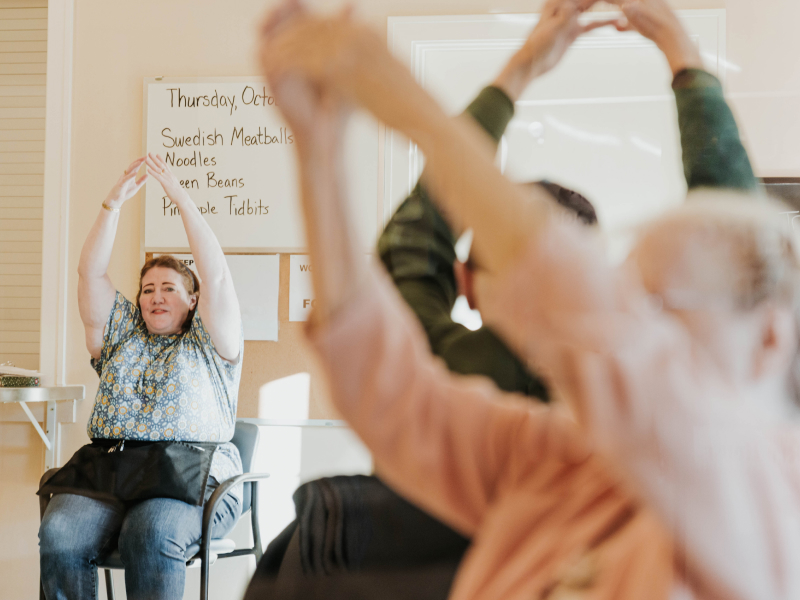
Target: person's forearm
96,252
518,73
218,306
657,22
339,265
419,242
713,154
679,49
95,291
206,251
462,177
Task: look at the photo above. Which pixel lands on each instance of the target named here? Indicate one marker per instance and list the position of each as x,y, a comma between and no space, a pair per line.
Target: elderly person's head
728,267
168,295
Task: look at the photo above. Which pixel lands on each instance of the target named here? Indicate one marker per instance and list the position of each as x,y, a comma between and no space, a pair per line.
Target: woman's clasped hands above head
127,186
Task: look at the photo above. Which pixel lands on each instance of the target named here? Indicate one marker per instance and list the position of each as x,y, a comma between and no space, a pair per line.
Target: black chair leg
204,578
109,584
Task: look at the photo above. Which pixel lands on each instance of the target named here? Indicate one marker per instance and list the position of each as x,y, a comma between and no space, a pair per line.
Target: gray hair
762,245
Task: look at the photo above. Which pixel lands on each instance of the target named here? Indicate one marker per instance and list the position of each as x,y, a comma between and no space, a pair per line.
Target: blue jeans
78,532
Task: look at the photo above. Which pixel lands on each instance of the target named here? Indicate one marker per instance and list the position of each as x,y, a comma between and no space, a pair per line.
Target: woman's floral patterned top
166,387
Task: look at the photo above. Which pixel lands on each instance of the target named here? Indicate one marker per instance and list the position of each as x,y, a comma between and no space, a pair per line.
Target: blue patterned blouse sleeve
121,321
229,373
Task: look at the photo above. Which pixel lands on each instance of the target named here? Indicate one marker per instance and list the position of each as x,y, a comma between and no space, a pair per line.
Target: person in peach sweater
673,473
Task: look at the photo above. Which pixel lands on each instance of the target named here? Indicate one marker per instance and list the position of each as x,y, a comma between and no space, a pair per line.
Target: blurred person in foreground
669,363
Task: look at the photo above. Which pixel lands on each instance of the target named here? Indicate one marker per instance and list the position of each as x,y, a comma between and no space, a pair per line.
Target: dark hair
190,280
571,200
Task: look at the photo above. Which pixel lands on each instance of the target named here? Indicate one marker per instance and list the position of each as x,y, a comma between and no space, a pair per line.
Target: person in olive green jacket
418,245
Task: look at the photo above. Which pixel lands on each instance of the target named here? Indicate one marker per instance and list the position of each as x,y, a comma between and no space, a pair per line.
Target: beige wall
763,43
117,44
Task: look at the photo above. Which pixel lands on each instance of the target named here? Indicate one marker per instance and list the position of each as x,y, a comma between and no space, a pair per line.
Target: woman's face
164,301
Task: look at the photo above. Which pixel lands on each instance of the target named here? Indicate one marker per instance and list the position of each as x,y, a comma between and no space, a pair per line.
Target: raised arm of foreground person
453,466
417,247
518,476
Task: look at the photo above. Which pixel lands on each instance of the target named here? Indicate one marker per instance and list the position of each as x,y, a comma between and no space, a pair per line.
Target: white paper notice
301,289
257,281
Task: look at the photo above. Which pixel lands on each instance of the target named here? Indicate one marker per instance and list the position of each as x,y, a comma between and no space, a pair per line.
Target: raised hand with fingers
127,186
557,29
655,20
161,173
311,109
332,51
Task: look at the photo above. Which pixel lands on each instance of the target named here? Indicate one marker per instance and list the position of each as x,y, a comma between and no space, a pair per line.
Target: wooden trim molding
55,221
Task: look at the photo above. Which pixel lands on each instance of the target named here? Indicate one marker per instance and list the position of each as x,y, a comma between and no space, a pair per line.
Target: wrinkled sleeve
451,444
417,243
417,247
713,153
121,322
726,483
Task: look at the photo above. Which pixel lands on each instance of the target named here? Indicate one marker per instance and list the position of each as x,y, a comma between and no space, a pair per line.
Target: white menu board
225,141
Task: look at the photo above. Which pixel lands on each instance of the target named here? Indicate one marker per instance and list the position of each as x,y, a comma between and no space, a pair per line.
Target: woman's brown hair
190,280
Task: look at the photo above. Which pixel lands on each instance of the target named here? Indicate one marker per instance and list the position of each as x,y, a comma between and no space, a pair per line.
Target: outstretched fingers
130,172
160,161
140,182
134,166
127,176
308,47
624,24
604,23
156,169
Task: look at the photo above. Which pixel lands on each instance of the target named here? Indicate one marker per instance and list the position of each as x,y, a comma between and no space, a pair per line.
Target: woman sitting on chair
169,368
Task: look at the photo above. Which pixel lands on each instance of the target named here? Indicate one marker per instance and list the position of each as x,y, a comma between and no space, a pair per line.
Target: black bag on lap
132,471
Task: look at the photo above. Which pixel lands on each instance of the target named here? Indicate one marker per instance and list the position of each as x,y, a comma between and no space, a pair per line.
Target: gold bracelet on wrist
109,209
